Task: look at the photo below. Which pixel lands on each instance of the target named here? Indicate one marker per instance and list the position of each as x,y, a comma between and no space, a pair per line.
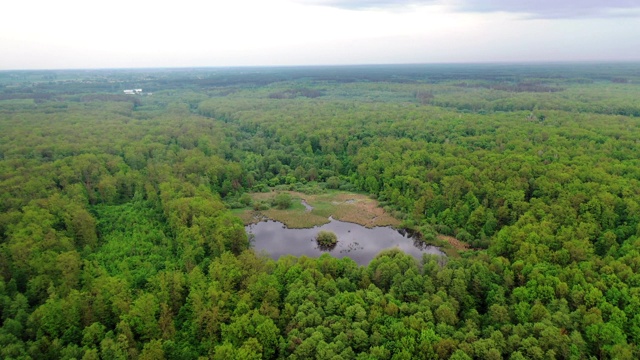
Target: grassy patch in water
296,219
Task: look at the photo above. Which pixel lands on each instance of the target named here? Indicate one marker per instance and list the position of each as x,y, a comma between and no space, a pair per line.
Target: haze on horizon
37,34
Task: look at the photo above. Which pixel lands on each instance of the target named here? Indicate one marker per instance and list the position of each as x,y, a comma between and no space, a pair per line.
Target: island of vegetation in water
122,229
326,239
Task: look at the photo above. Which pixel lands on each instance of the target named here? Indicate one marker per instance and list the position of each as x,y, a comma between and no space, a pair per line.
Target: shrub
260,205
326,239
282,201
443,229
463,235
236,205
333,182
245,199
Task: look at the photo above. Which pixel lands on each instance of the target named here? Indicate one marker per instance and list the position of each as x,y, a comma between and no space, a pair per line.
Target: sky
59,34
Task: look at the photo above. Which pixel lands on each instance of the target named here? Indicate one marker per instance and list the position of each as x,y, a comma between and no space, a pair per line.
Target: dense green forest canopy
117,240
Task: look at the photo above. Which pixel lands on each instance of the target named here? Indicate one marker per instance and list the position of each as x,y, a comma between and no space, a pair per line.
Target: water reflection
306,205
327,247
354,241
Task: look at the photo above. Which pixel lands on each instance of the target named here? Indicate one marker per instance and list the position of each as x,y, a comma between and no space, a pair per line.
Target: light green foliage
282,201
115,241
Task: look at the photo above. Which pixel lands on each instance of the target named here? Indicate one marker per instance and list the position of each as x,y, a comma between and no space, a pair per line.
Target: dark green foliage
116,241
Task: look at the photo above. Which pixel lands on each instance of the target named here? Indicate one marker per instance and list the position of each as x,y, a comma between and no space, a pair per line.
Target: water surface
355,241
306,205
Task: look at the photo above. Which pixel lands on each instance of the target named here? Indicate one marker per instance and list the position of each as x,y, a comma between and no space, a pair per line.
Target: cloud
368,4
556,8
549,9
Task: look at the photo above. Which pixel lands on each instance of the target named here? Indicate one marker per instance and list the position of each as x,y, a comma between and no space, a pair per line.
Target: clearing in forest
343,206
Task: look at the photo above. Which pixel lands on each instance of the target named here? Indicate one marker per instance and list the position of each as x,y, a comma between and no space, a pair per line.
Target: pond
354,241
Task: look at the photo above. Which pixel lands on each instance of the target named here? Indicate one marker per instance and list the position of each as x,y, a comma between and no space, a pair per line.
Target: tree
282,201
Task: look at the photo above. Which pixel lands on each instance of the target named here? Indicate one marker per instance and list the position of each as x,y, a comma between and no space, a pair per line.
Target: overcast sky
50,34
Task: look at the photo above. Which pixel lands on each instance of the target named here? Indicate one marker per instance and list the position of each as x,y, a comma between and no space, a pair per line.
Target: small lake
354,241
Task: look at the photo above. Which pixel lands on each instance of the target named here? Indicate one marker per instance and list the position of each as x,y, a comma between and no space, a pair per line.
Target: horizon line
335,65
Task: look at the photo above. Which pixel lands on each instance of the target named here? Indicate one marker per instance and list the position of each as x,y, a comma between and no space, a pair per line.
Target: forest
118,238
